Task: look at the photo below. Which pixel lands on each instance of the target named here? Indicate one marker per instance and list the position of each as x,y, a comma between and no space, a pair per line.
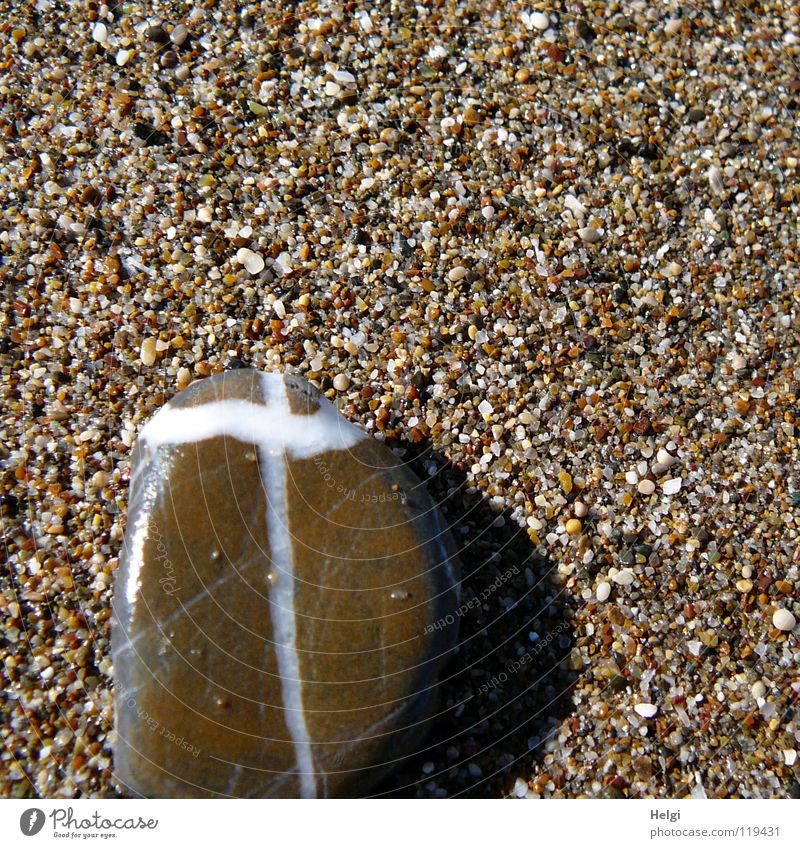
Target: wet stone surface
281,601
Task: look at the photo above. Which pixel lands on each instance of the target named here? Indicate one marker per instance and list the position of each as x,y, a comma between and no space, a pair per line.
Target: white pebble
251,260
631,477
488,212
624,577
520,788
738,362
603,591
485,408
695,647
665,457
783,619
179,35
332,89
279,309
100,33
590,235
581,509
344,78
539,20
575,206
646,487
457,273
790,756
341,382
122,57
646,710
758,689
715,179
671,486
672,270
284,263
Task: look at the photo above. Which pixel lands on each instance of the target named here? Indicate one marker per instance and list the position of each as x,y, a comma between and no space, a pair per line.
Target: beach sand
548,252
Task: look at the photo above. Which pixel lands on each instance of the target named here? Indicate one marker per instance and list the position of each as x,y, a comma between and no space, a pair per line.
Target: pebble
99,480
646,710
457,273
148,352
219,611
100,32
758,689
603,591
624,577
581,509
344,78
646,487
573,527
590,235
715,179
179,35
575,206
672,486
665,458
341,382
539,20
183,378
157,34
252,261
520,788
783,620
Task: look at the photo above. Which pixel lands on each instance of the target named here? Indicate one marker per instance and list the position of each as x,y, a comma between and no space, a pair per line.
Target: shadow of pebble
507,687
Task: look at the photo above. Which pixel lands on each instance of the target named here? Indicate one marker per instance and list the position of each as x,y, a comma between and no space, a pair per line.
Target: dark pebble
150,135
157,35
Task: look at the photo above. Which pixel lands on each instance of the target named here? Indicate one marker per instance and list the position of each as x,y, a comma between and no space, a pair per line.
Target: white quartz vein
276,433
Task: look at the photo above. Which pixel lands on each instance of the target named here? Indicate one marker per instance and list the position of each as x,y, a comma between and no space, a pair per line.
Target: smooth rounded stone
603,590
783,620
285,600
624,577
540,20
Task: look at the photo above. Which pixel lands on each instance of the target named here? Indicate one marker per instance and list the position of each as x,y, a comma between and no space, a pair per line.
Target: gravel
630,304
